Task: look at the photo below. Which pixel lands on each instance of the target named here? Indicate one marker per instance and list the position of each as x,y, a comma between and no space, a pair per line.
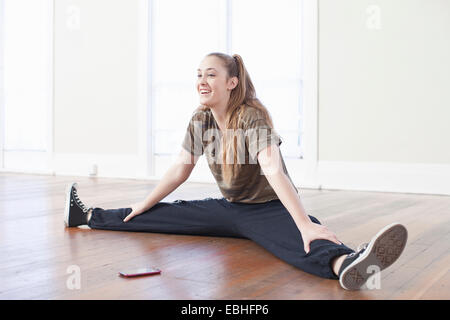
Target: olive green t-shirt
248,183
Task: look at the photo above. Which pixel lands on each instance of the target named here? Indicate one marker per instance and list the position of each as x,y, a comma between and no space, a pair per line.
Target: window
26,87
25,73
2,91
267,34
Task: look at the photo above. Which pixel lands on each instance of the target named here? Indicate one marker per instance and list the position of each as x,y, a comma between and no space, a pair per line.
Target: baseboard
385,177
99,165
358,176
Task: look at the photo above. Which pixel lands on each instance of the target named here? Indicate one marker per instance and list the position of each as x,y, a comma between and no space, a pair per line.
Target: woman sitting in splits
260,201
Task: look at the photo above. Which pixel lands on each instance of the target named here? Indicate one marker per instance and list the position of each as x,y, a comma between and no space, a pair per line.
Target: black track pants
268,224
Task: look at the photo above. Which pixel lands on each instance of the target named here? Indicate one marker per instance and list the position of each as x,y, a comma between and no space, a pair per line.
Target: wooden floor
40,259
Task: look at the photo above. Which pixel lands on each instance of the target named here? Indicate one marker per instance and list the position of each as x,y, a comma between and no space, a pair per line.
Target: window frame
303,168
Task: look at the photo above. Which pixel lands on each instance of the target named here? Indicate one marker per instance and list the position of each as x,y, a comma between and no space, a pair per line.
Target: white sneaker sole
67,207
383,250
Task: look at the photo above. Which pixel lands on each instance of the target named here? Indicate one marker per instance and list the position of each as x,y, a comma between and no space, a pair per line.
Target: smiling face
213,87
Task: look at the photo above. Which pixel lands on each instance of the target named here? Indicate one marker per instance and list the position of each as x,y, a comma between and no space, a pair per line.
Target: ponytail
241,96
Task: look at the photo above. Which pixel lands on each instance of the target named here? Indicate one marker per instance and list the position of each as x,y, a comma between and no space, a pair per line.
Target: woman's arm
270,162
178,173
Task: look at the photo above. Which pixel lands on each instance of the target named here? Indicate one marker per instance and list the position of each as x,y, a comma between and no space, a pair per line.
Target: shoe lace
362,246
79,202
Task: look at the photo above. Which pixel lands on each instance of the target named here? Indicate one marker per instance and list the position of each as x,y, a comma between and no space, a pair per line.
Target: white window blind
267,34
184,32
25,74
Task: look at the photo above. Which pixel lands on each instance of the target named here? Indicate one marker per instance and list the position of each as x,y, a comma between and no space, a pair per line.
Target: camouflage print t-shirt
248,183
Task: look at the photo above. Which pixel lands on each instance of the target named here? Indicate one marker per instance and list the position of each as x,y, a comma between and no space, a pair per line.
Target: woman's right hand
313,231
136,209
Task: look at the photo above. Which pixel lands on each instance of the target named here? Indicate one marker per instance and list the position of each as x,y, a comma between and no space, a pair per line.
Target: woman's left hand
313,231
136,209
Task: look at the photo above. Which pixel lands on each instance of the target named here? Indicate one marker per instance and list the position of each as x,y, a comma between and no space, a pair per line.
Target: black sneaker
75,213
381,252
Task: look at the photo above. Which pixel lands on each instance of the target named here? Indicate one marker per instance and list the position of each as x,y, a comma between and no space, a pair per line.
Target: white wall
384,95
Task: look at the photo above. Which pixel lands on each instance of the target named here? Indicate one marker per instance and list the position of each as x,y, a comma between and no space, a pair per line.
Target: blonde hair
242,96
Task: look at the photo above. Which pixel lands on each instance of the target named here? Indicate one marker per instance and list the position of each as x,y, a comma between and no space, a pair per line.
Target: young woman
235,132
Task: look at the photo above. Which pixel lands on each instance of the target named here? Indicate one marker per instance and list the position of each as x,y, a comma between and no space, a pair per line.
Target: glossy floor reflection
41,259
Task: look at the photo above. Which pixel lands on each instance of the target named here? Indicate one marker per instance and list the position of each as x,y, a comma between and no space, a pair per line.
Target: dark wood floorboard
36,249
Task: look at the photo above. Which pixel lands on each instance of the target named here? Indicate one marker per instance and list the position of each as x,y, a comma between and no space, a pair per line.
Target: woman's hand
136,209
313,231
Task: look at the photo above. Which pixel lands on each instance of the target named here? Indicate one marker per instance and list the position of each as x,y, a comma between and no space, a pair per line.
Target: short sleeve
193,139
259,136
